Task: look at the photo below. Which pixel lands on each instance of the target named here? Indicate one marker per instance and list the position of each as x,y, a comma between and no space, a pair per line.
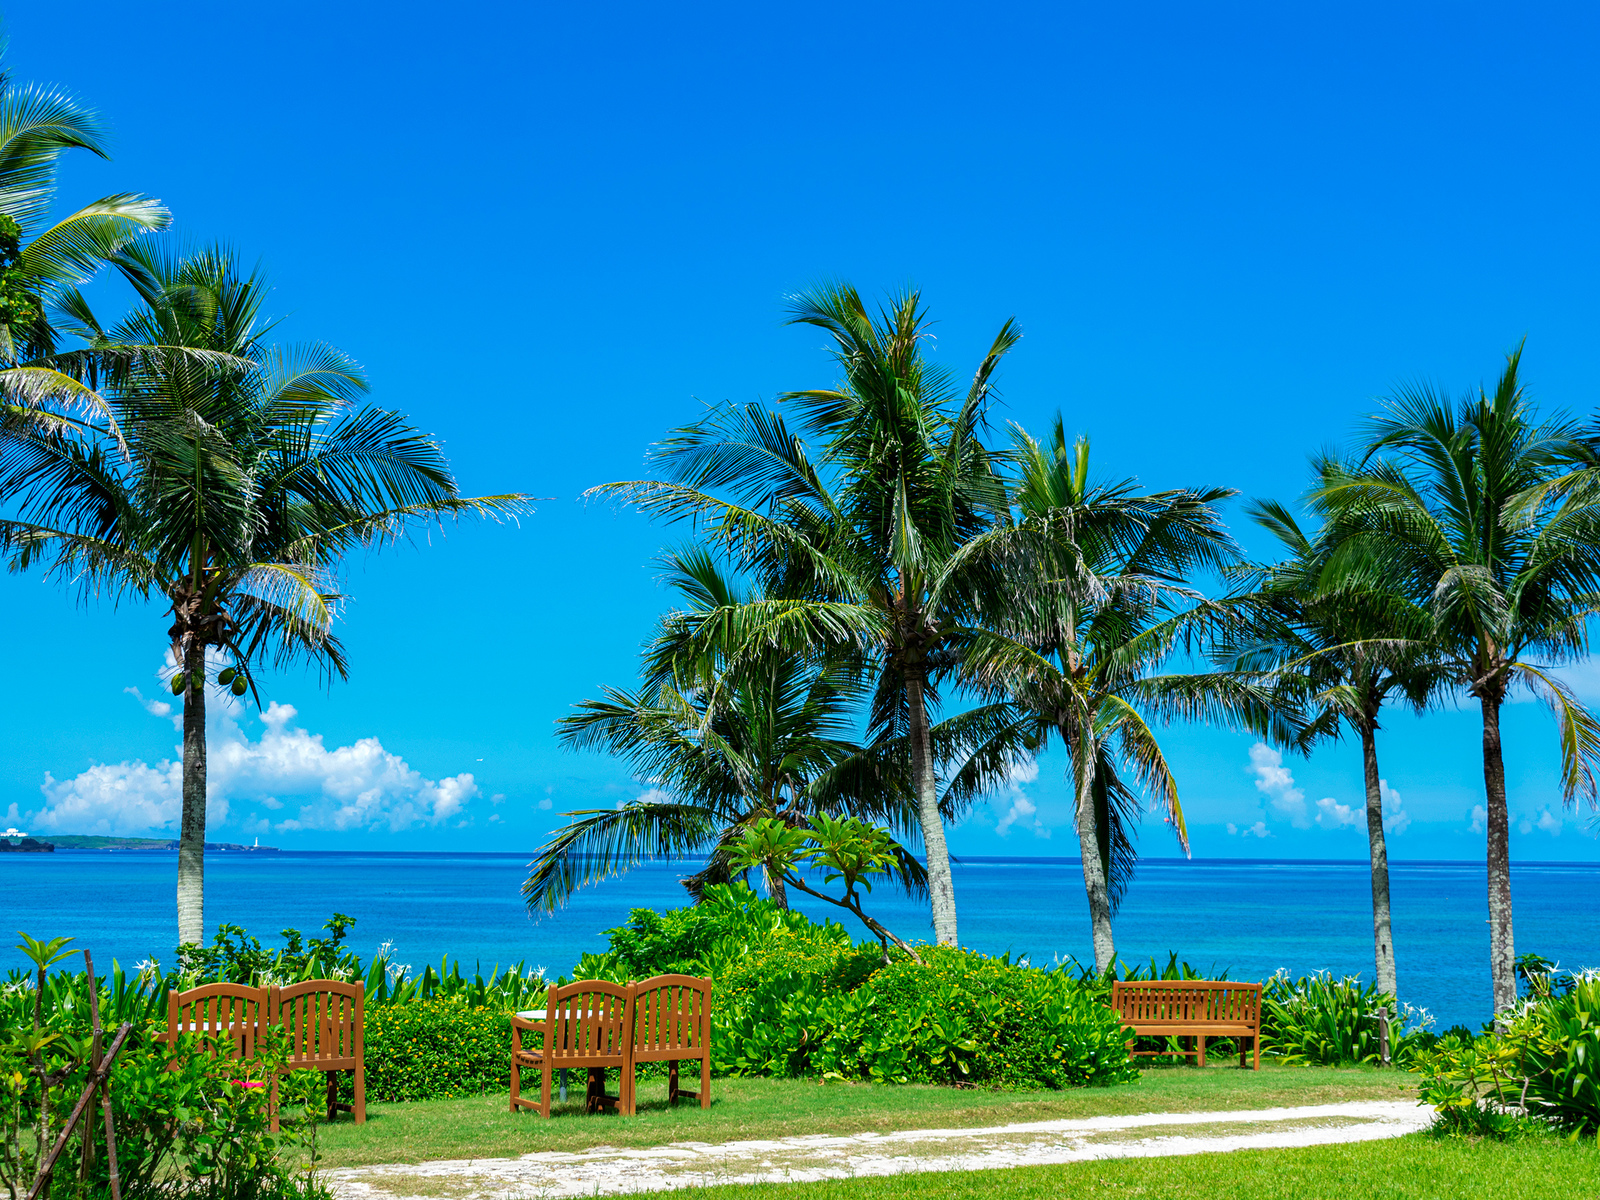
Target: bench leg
1258,1051
1200,1048
672,1081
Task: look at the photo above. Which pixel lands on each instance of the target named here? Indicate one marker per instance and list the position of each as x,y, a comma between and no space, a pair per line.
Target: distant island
27,845
77,841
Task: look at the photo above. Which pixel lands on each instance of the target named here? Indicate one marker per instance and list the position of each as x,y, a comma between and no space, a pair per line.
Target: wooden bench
321,1019
1197,1008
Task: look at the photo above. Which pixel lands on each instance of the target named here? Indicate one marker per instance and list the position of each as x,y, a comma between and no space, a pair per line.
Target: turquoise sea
1250,917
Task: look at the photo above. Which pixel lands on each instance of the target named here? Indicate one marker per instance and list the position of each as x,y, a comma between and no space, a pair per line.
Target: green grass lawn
481,1127
1416,1167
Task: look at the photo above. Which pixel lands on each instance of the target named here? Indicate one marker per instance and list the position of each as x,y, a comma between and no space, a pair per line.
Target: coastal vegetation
800,1004
1453,557
1486,516
883,616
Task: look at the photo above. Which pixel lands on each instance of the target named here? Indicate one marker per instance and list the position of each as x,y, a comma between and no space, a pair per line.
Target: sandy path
607,1171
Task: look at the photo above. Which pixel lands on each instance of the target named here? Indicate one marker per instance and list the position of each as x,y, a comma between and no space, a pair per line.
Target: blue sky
551,232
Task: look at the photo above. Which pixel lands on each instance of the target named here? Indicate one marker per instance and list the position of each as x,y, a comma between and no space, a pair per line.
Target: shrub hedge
794,997
436,1050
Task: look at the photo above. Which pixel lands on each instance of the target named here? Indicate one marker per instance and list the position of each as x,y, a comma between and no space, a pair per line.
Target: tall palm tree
1100,599
1455,502
1346,646
223,474
870,545
727,741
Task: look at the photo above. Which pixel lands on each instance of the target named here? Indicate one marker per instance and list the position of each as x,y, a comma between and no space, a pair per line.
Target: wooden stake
95,1080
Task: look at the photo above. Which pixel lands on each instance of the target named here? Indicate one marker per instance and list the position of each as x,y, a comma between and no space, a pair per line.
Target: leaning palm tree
1100,599
727,741
39,257
223,474
859,549
1454,502
1343,645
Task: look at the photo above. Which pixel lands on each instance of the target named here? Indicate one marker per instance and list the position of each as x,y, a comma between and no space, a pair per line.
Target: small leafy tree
848,852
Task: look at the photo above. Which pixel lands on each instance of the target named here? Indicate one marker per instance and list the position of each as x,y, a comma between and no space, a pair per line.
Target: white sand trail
608,1171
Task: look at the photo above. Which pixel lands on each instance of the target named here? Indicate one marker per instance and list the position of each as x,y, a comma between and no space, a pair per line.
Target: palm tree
869,549
227,476
37,126
1455,503
726,742
1099,602
1344,645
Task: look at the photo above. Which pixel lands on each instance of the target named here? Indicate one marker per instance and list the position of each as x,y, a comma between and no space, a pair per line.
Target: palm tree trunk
192,829
941,887
1502,950
1382,937
1094,870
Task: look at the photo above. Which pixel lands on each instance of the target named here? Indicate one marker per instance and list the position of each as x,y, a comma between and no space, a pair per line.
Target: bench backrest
1187,1001
322,1022
671,1017
230,1015
590,1019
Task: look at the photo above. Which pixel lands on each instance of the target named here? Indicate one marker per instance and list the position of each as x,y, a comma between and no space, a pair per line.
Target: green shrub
436,1050
958,1017
1545,1063
1322,1021
189,1126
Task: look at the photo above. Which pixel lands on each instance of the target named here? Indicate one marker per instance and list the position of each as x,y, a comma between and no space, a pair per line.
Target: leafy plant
1320,1020
436,1049
1544,1063
847,850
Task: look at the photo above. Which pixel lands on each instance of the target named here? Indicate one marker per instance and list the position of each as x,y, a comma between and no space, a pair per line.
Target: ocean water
1249,917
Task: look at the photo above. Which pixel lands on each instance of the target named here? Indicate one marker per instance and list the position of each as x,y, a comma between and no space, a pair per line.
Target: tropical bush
189,1125
1544,1063
1318,1020
797,997
236,957
436,1050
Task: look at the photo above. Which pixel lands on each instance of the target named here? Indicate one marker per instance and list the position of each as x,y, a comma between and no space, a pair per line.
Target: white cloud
1333,815
545,802
1478,816
1275,779
1549,822
157,708
1396,819
360,786
1259,830
1020,808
